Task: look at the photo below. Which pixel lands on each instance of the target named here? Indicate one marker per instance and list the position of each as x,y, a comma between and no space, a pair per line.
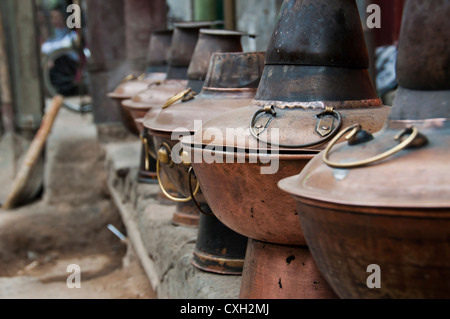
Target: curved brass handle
147,152
147,161
191,172
175,199
129,77
415,139
271,110
188,93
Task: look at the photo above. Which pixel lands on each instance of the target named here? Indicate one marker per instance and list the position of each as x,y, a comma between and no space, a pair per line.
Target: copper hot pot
156,72
182,45
313,84
383,200
231,82
209,41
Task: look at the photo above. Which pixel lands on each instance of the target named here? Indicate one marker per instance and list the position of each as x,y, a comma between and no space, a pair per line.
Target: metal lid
401,170
290,127
196,24
133,85
310,87
409,180
155,95
231,83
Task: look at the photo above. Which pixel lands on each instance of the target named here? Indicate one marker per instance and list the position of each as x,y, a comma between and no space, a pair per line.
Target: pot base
282,272
218,249
215,264
145,177
186,215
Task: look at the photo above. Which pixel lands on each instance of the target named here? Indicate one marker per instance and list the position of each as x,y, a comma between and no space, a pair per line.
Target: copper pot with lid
182,44
231,82
383,200
315,81
159,45
208,43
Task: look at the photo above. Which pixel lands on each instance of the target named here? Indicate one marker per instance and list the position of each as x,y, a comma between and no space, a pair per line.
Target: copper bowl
126,90
381,214
245,200
221,93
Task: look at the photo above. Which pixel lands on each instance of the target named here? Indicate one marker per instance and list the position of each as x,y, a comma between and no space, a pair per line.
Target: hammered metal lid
155,94
231,82
315,80
208,43
132,85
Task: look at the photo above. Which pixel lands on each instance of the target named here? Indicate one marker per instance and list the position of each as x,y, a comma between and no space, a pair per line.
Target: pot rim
366,208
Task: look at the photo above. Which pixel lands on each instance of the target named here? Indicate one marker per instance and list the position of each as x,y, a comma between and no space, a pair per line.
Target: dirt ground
38,243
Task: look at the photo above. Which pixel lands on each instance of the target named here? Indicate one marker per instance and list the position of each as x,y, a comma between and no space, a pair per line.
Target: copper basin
245,200
394,214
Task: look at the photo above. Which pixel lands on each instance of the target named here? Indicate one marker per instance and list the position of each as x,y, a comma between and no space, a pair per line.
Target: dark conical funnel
158,50
423,67
184,40
317,53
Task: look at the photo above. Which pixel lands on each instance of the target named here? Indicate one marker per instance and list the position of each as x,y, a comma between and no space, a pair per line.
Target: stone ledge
165,251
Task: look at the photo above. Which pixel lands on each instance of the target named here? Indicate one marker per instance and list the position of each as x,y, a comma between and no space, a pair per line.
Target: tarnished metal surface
394,212
127,90
211,41
424,51
184,40
218,249
334,35
330,72
223,91
293,273
158,50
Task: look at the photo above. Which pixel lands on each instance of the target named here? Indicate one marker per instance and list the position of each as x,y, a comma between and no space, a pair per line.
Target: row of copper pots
218,249
313,84
343,242
315,92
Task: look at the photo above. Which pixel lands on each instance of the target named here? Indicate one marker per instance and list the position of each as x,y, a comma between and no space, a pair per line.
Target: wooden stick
33,153
6,109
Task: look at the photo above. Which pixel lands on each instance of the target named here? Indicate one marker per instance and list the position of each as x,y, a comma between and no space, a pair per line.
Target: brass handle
147,161
415,139
129,77
271,110
186,93
175,199
191,172
147,152
165,157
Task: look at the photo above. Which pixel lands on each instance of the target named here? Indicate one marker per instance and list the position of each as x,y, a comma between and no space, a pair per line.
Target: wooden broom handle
33,152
